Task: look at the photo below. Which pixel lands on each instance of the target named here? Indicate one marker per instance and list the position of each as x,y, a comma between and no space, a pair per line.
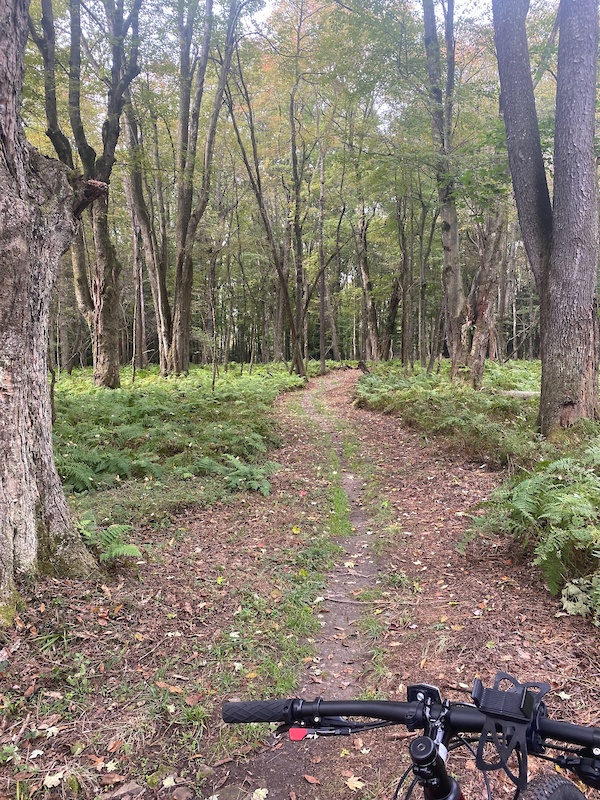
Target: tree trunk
141,219
370,347
329,310
482,296
255,176
106,301
321,248
569,308
36,534
188,220
561,239
441,115
81,280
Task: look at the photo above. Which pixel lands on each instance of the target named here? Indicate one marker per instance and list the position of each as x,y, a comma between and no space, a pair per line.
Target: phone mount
508,725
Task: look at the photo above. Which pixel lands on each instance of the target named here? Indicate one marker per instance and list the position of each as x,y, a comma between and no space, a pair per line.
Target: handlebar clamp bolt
596,751
420,696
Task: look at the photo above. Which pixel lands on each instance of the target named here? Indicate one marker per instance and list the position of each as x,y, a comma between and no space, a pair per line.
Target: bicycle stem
429,766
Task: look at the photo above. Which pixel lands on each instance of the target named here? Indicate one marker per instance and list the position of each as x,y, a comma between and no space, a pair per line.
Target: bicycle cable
461,742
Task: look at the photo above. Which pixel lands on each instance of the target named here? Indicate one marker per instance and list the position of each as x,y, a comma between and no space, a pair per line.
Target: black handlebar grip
258,711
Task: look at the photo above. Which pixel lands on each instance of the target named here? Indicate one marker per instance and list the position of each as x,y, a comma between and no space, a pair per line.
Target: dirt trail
441,617
115,666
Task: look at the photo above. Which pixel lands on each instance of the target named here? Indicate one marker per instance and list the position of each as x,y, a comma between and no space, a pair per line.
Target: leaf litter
113,688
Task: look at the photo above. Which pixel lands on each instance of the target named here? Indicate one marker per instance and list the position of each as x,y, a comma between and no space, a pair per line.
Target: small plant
8,753
581,596
241,476
398,579
108,542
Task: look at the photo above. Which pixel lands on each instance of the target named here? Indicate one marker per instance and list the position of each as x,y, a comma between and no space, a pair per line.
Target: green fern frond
120,550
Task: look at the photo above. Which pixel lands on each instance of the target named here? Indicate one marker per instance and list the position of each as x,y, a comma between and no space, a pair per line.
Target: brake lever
586,769
327,726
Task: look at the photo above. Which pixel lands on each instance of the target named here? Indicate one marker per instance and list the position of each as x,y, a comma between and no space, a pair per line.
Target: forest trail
437,615
129,669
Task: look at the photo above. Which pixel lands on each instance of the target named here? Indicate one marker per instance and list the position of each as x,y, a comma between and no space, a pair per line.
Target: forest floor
409,599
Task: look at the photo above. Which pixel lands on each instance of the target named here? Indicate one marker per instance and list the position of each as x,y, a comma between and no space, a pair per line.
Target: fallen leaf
114,745
358,743
193,699
29,691
355,783
168,782
171,689
111,778
22,776
260,794
181,793
311,779
51,781
49,722
132,788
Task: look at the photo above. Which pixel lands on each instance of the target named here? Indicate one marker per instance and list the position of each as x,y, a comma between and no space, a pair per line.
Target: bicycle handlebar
461,718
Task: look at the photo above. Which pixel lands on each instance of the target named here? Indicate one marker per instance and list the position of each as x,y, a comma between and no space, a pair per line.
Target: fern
248,476
581,596
107,542
557,510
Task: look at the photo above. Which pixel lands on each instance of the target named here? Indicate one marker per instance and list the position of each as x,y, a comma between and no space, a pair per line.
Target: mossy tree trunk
36,226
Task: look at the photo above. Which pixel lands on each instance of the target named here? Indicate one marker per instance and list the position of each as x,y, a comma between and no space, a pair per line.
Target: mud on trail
111,688
410,600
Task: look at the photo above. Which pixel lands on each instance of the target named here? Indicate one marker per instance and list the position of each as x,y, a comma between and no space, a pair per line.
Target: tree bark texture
561,241
37,225
569,309
517,105
105,291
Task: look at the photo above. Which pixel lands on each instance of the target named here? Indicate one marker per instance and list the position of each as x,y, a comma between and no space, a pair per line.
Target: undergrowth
486,425
550,503
554,512
156,445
